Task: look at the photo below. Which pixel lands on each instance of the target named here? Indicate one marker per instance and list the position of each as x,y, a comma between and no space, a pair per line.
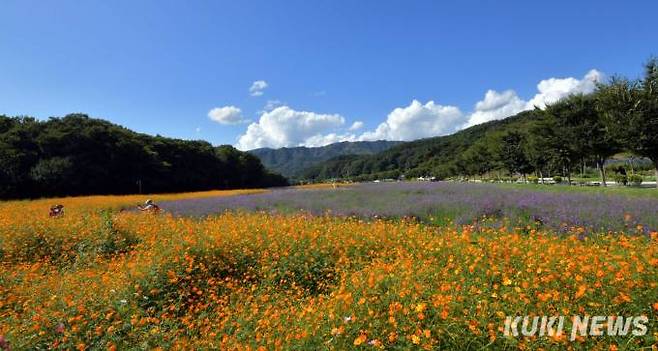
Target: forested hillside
291,161
78,155
432,156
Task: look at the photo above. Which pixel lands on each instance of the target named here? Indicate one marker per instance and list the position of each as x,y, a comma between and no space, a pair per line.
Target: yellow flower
360,339
415,339
420,307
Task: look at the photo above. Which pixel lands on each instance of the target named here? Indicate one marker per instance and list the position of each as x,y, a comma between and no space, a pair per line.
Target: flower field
101,278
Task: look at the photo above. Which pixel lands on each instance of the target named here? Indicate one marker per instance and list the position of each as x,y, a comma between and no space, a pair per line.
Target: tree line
619,116
78,155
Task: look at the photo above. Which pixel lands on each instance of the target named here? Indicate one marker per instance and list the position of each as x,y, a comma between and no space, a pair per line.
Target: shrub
533,179
557,179
621,179
635,179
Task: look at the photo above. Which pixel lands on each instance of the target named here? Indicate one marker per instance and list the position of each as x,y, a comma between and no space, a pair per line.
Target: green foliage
578,132
478,159
77,155
621,178
635,179
511,153
52,172
630,109
557,179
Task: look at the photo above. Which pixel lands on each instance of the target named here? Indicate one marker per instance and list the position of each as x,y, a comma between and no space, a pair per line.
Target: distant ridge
292,161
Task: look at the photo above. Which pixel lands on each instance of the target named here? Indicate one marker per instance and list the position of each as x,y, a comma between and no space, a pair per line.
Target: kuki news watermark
556,326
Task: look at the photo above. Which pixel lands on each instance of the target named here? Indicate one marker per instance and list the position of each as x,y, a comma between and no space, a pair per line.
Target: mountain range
293,161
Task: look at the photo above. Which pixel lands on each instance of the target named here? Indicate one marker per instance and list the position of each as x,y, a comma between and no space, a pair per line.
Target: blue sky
400,69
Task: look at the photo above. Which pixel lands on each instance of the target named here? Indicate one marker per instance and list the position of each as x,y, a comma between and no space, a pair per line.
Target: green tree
512,155
478,159
537,149
593,138
575,131
630,110
646,123
561,140
51,172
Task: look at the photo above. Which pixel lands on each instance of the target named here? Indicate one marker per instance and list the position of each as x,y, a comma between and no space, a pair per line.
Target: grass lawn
613,189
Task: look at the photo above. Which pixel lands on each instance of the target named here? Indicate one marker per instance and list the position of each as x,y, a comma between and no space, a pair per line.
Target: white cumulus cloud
417,121
496,106
284,126
553,89
499,105
257,88
226,115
